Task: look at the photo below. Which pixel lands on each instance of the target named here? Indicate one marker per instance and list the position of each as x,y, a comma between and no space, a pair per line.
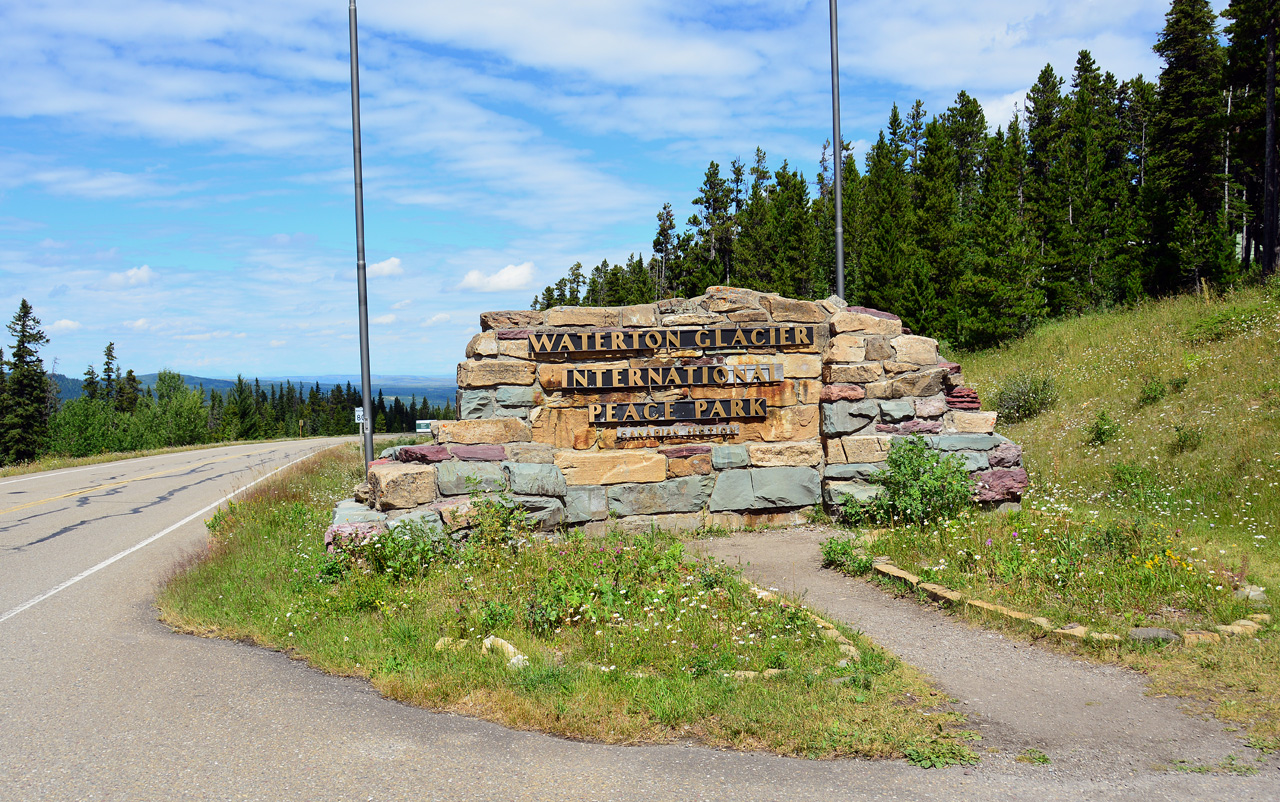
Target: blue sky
176,176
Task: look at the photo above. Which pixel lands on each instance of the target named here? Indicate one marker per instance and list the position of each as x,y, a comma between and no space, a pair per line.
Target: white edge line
33,602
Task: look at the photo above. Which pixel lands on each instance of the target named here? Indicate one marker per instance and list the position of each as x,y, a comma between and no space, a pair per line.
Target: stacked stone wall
852,381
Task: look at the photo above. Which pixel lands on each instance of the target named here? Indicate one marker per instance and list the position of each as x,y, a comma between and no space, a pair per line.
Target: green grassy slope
1224,494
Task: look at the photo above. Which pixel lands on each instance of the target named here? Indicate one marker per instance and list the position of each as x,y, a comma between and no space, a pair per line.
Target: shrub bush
1025,395
920,485
1185,438
1102,431
1153,390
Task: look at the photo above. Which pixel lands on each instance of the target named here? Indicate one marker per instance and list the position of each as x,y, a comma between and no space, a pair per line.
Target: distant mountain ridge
436,389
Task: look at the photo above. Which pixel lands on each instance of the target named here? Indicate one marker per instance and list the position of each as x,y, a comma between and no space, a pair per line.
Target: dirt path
1093,721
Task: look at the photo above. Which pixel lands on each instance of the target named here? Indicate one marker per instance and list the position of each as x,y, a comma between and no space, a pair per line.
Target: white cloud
383,320
133,277
402,304
511,277
442,317
387,267
141,324
277,343
59,326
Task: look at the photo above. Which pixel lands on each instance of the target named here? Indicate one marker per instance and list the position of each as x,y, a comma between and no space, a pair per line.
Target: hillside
437,389
1212,364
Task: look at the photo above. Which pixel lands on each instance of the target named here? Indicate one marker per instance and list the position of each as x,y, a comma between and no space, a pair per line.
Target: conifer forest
1097,193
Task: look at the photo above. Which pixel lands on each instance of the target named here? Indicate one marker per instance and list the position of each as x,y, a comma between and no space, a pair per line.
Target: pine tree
713,250
1252,36
110,371
1183,197
24,418
936,232
1000,298
89,386
754,247
792,236
664,247
128,391
886,222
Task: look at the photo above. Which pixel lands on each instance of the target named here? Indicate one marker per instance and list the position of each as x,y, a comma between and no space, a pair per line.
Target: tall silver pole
366,384
838,146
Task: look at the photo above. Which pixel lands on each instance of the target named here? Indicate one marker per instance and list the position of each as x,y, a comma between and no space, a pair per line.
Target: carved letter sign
591,378
649,411
615,340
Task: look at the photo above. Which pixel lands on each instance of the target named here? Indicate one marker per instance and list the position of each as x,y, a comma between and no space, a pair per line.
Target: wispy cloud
133,277
511,277
387,267
60,326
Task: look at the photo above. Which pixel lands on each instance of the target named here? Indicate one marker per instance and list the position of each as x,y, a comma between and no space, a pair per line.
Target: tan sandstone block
586,316
878,349
897,368
611,467
917,350
922,384
697,465
889,569
852,374
969,422
562,427
494,372
515,348
692,319
941,593
1073,631
799,422
638,316
845,348
483,344
787,310
869,324
766,455
401,485
484,430
731,299
749,316
866,448
512,319
835,451
801,366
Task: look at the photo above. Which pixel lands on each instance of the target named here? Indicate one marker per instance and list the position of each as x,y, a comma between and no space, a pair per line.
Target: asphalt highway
99,701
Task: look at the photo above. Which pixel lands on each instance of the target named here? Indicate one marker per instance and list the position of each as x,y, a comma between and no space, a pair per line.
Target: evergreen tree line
1098,192
115,413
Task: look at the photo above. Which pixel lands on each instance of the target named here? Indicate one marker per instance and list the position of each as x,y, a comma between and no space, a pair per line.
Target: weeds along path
1092,721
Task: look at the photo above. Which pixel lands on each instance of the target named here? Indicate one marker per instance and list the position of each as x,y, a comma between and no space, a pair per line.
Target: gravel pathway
1095,722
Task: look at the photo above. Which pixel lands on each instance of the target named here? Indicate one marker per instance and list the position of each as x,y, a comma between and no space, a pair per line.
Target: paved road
98,701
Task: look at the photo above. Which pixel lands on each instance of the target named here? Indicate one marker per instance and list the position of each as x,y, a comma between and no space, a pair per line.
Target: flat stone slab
353,512
1153,635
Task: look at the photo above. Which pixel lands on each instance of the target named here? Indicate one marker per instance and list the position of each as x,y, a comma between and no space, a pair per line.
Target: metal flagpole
366,384
838,147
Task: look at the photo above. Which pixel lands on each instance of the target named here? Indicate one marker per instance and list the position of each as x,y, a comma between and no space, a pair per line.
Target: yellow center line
89,490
